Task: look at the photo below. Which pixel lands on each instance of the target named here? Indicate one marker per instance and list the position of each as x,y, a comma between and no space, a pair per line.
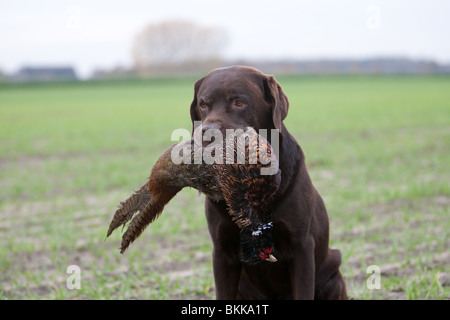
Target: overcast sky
89,34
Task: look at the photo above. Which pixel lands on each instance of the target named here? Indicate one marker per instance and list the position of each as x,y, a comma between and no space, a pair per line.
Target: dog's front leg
302,273
226,275
226,259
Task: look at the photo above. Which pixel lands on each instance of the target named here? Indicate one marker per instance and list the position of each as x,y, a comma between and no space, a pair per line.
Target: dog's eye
239,103
203,106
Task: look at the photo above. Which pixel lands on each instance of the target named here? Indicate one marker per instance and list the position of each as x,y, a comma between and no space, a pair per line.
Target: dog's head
239,97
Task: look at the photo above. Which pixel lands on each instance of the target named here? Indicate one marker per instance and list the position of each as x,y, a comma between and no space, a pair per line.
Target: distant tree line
371,66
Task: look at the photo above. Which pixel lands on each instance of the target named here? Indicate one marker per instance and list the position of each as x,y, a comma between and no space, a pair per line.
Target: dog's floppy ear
194,115
280,102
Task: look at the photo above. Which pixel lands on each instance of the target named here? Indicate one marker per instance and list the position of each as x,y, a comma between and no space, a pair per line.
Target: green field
377,149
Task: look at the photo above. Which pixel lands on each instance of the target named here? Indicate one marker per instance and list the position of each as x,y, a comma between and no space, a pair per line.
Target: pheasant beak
266,254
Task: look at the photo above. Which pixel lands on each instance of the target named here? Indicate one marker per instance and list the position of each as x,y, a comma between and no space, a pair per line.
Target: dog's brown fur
236,98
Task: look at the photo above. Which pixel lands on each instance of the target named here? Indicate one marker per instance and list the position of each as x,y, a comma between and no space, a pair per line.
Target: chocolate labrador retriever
240,97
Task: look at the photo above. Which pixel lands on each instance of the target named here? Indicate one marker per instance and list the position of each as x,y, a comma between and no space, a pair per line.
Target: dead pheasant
238,180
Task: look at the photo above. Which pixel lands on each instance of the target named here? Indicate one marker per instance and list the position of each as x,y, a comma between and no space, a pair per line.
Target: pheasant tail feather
149,214
138,201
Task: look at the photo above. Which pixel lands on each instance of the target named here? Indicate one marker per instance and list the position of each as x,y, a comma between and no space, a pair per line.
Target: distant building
31,74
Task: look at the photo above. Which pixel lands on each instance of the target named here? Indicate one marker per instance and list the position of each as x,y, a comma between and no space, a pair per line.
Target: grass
377,149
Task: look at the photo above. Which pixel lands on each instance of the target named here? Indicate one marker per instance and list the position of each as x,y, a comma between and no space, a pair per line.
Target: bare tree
176,44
